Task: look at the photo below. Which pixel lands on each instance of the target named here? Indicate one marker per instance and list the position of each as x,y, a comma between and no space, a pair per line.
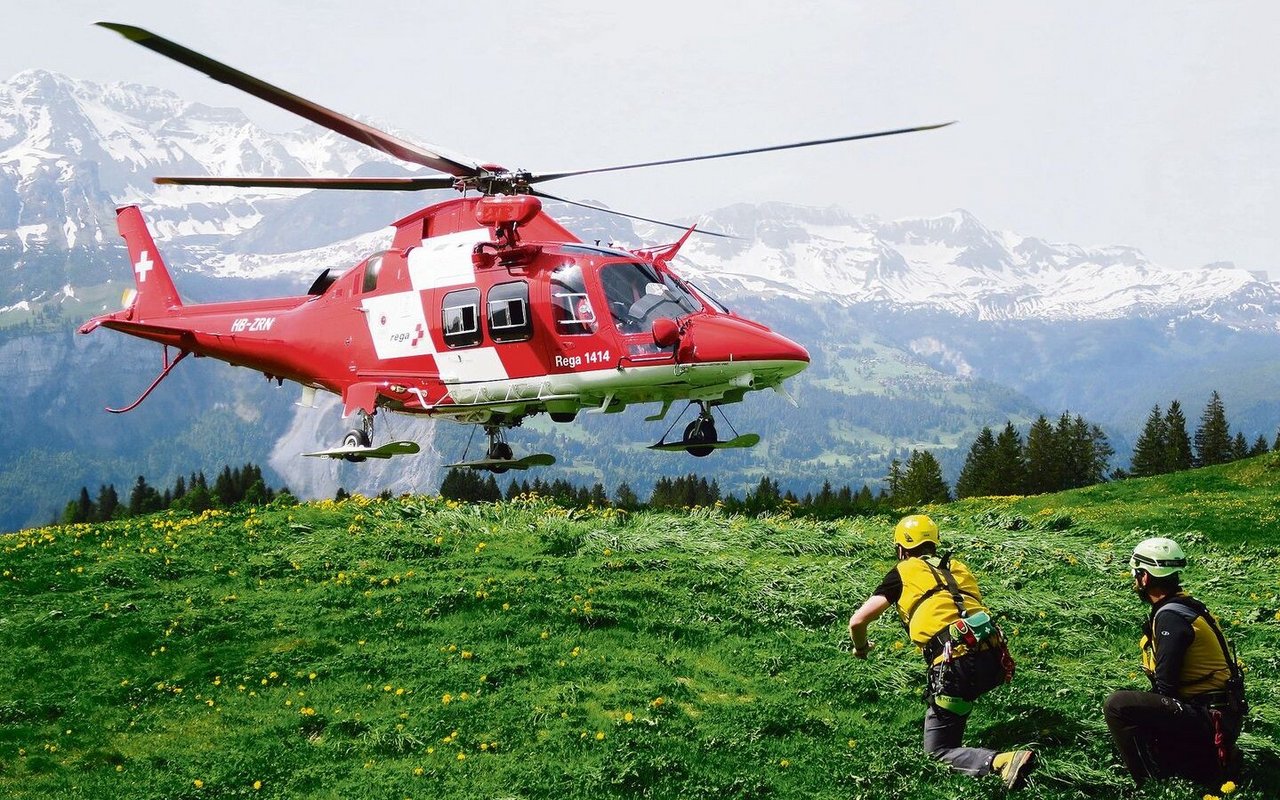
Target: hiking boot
1016,768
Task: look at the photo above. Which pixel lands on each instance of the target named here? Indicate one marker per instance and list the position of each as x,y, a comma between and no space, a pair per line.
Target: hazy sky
1152,124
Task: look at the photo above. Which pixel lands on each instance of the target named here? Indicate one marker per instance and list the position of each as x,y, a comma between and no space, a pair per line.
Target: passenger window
509,312
460,314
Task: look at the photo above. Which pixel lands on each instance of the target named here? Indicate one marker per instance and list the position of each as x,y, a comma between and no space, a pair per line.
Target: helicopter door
579,342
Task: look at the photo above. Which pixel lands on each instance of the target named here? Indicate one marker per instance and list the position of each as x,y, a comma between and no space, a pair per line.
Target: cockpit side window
638,294
570,305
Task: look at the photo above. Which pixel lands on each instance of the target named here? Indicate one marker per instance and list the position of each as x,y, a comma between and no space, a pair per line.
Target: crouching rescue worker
1187,725
964,650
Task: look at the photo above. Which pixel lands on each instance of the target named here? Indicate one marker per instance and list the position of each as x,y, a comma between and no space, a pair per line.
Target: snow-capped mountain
70,151
955,264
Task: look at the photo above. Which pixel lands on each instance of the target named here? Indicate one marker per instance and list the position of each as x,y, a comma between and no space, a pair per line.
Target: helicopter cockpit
638,294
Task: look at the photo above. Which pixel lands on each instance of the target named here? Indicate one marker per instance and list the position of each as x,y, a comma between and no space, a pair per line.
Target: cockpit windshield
638,294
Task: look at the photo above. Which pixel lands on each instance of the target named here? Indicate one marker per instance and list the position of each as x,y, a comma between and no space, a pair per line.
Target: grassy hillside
418,648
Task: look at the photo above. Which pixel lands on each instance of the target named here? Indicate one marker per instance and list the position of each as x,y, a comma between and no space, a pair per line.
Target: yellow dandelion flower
1228,787
545,634
400,692
853,743
784,763
418,771
257,785
628,717
387,688
462,756
467,654
199,784
657,702
484,745
599,736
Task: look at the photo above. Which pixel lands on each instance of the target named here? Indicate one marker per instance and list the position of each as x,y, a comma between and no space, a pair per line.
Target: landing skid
382,451
504,464
745,440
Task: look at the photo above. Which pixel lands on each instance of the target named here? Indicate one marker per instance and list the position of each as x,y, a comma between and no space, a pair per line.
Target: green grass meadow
418,648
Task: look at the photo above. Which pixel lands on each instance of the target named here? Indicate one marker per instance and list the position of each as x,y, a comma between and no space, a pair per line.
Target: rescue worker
940,605
1188,723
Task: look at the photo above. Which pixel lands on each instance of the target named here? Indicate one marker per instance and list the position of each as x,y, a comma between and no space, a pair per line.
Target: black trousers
1163,737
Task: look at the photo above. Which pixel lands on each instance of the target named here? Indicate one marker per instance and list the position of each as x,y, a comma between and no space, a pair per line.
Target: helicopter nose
726,339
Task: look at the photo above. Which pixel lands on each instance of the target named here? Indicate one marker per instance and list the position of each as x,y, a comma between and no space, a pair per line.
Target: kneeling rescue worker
941,607
1188,723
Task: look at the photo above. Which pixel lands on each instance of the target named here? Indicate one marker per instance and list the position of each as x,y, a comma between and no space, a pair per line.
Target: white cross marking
143,267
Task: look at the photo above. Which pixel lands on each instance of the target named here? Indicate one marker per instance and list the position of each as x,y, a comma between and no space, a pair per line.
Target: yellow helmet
915,530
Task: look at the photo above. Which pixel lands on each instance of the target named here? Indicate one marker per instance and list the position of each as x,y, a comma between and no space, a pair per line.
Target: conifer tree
144,499
1178,455
1213,437
108,503
1259,446
922,482
79,510
1077,443
1044,458
1239,447
625,497
1151,451
894,479
976,476
1102,453
1009,470
1276,445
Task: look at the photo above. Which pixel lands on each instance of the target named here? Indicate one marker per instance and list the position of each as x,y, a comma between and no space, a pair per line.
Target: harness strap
947,584
1201,610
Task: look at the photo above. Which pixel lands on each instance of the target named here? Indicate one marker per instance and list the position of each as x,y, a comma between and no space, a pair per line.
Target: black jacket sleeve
891,587
1171,634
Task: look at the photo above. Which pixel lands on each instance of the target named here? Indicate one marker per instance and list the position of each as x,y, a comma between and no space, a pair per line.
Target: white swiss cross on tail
143,266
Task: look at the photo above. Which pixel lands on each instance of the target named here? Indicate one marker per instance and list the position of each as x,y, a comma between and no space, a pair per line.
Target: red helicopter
484,310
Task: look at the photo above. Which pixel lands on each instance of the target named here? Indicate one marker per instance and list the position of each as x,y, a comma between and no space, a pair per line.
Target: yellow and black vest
1205,667
926,606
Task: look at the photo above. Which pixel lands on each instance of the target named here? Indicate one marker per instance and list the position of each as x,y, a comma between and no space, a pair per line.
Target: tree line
232,486
686,491
1165,446
1067,454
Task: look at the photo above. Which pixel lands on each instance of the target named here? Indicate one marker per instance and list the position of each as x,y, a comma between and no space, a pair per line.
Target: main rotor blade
546,196
367,184
551,176
304,108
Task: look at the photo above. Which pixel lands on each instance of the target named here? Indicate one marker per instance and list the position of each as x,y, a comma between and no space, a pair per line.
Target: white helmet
1159,557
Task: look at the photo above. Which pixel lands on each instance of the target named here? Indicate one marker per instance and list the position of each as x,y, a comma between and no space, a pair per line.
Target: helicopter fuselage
459,319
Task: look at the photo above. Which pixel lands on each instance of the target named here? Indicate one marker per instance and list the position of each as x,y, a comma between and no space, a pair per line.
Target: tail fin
156,294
